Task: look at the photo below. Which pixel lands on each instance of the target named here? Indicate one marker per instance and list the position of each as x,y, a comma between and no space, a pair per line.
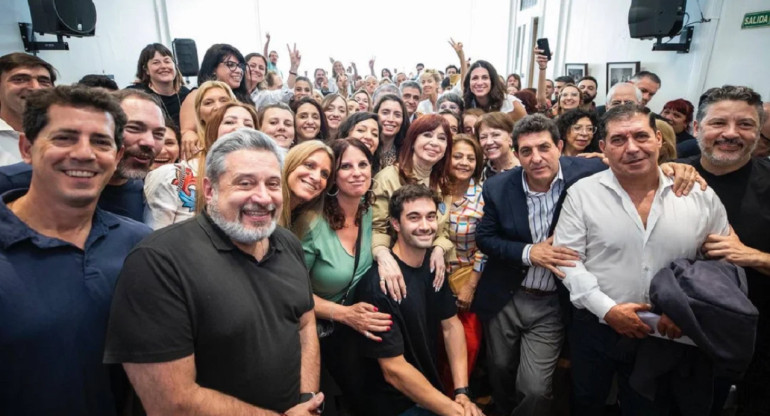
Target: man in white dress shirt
626,223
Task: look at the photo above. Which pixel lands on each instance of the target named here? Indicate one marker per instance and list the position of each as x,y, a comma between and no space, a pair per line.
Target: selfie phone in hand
542,44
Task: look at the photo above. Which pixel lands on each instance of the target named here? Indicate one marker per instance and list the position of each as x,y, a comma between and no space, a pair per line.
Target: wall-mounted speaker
63,17
656,18
186,54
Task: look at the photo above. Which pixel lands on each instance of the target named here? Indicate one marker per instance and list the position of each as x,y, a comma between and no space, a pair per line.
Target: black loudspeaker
63,17
656,18
186,54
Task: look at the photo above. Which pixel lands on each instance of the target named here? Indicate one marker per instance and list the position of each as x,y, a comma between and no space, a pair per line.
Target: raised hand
294,57
457,46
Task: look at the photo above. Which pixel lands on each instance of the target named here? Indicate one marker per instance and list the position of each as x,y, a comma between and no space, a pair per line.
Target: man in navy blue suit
517,294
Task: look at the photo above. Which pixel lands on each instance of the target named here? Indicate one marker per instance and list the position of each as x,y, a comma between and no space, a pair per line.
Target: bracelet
463,390
293,73
331,312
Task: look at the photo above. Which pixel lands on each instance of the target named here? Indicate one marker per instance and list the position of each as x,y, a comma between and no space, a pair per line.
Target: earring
333,194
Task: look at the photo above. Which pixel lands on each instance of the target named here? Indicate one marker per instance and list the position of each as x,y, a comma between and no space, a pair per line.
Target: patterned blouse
464,217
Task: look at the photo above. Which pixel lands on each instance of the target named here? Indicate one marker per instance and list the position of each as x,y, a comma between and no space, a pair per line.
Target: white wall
399,33
741,56
597,33
122,30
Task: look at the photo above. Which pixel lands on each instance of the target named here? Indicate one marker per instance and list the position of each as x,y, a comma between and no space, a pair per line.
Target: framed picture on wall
576,71
620,72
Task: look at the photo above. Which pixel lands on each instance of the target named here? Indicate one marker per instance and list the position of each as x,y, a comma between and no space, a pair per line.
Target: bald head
623,93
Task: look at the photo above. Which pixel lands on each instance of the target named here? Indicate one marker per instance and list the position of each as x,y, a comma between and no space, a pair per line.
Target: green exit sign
757,19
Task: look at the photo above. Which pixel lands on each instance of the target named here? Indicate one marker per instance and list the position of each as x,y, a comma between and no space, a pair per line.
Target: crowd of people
435,243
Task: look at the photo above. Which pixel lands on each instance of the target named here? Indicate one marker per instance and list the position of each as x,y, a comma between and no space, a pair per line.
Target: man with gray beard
214,315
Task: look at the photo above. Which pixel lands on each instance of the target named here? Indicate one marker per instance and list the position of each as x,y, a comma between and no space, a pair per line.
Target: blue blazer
504,232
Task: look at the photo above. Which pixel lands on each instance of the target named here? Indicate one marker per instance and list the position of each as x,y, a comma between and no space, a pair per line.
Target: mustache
728,141
141,152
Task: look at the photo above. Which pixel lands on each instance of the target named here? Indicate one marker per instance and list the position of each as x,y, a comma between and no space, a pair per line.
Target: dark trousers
598,353
341,361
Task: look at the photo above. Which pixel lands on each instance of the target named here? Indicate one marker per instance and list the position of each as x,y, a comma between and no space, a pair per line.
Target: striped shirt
464,217
540,208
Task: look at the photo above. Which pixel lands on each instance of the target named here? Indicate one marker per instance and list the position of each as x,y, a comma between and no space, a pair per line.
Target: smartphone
542,44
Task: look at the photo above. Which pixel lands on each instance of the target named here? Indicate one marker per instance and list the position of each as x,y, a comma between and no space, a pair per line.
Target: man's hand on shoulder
685,177
545,255
624,320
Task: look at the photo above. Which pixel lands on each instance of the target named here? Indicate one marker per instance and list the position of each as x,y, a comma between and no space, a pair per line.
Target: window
526,4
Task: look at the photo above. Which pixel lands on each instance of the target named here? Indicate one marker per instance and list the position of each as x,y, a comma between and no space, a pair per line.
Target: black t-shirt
414,334
745,194
186,289
171,103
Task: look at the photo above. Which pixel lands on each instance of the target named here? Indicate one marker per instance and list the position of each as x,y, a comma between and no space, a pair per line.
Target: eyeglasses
583,129
233,65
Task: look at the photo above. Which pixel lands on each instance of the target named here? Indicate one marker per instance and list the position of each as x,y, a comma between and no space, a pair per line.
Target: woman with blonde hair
171,190
430,80
211,96
305,177
363,99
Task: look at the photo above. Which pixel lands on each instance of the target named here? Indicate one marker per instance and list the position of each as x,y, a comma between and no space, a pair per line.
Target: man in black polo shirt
402,378
727,127
214,315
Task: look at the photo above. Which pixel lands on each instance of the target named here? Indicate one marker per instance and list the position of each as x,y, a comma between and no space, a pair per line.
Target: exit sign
757,19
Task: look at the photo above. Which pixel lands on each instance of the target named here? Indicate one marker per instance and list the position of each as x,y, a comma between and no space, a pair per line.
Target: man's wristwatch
304,397
463,390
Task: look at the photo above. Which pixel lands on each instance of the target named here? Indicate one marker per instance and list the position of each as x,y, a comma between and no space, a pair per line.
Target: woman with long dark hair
338,254
394,119
158,75
309,120
482,89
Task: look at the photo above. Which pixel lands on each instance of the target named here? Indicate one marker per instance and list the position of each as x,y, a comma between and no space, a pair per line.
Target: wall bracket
30,45
683,46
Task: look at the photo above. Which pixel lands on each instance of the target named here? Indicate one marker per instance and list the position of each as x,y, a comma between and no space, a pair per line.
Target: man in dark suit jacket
517,294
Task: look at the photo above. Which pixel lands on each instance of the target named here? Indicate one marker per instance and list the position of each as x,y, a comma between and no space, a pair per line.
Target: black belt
537,292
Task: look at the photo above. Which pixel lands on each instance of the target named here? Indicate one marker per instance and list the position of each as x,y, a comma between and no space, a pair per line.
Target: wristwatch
304,397
463,390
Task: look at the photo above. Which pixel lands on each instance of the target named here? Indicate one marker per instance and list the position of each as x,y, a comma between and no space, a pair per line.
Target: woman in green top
330,246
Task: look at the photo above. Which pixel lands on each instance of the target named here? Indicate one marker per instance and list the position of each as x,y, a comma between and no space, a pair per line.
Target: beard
587,99
127,170
724,160
235,229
